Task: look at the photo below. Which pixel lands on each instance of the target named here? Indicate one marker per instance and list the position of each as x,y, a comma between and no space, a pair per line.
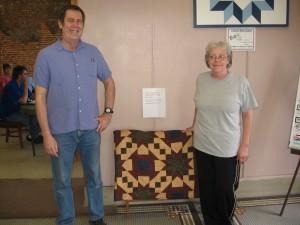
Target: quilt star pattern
242,14
153,165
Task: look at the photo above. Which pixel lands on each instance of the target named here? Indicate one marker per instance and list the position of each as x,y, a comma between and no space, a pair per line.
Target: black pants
218,179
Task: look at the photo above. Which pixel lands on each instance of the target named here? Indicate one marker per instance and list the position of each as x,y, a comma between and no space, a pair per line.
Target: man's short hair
18,70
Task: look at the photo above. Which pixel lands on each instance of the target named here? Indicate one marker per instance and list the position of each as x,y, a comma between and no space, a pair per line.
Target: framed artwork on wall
239,13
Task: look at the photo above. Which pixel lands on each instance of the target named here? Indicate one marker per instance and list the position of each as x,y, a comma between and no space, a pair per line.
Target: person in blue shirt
66,75
30,83
31,99
16,93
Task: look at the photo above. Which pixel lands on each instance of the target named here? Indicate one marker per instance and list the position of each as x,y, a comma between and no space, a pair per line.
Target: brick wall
17,53
26,27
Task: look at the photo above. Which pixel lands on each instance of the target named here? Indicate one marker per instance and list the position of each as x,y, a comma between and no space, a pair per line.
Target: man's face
72,26
23,76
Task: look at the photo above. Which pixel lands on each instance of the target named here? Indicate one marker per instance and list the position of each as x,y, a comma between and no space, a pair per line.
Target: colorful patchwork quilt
153,165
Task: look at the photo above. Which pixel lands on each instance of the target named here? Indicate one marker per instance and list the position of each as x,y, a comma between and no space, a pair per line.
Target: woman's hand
243,154
189,129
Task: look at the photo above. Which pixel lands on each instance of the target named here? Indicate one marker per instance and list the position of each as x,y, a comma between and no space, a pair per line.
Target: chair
11,128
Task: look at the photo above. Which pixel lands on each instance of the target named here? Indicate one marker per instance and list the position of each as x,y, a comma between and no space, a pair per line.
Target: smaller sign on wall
154,102
241,38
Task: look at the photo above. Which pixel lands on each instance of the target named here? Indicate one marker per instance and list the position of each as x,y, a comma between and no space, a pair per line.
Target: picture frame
246,13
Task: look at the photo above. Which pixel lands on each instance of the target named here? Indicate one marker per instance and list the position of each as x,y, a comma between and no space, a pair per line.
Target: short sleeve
248,99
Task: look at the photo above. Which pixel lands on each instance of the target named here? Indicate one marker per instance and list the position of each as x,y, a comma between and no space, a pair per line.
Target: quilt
152,165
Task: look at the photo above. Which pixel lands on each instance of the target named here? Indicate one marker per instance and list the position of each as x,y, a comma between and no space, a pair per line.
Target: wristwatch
108,110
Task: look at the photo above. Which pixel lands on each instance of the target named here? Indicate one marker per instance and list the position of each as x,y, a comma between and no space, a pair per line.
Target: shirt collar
60,47
15,83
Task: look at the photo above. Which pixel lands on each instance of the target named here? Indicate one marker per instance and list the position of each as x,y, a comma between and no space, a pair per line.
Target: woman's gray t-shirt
219,103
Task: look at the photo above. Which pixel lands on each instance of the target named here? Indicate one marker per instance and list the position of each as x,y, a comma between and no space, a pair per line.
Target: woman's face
218,61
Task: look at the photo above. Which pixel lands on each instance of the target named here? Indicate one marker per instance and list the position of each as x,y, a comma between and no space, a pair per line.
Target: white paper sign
154,102
241,38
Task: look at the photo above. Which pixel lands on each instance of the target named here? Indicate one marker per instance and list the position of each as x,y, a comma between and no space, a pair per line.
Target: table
29,109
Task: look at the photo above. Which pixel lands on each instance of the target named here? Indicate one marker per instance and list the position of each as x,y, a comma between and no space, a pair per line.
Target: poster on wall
295,130
249,13
154,103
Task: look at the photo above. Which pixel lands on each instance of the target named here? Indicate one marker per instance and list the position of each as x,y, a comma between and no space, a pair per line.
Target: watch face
108,110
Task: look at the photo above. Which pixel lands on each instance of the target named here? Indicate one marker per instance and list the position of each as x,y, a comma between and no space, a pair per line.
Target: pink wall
153,44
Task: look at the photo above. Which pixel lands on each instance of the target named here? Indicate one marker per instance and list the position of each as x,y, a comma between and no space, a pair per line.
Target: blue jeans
88,144
24,119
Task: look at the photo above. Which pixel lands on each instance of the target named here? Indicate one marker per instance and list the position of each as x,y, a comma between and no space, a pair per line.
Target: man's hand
26,84
50,145
104,121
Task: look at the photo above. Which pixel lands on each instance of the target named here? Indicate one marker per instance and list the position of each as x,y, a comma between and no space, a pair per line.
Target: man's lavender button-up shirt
71,82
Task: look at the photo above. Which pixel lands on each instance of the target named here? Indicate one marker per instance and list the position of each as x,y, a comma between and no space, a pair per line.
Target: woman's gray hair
218,44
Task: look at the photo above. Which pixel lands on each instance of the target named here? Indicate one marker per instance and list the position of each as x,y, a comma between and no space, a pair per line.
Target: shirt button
80,99
78,88
80,111
76,64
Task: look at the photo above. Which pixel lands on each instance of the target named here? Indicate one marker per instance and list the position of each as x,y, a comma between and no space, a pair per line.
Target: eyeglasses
220,58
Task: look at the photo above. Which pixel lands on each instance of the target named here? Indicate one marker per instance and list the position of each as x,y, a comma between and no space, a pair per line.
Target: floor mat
267,211
254,212
186,213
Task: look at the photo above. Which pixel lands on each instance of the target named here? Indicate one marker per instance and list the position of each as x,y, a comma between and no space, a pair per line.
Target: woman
222,125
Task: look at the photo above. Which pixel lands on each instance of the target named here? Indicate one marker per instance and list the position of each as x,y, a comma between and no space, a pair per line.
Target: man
16,93
66,75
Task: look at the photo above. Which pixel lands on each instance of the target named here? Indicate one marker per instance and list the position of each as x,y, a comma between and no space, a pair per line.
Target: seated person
16,93
30,83
5,77
30,88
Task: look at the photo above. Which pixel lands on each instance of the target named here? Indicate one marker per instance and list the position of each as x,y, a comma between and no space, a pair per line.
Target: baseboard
248,188
267,186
